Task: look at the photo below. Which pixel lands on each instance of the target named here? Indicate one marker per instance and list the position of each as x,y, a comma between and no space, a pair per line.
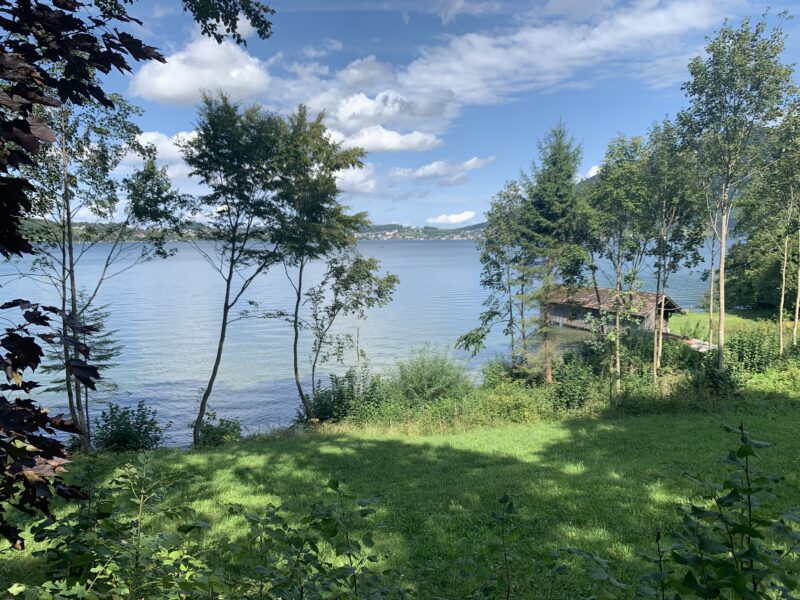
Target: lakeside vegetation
549,477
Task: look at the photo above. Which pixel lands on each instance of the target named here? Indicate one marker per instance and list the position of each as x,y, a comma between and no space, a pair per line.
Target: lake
166,317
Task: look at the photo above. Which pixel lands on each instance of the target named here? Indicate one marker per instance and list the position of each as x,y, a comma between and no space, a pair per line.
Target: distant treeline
38,229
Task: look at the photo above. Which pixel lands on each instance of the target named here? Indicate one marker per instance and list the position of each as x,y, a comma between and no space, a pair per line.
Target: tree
501,259
104,351
236,154
31,459
311,223
79,41
350,287
736,91
676,210
770,209
549,224
75,175
620,230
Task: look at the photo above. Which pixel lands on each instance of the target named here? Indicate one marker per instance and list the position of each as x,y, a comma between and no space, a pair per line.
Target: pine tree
549,225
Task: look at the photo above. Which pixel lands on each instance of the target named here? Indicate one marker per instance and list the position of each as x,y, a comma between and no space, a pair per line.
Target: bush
224,431
349,395
128,429
114,548
752,352
427,376
575,383
495,371
713,380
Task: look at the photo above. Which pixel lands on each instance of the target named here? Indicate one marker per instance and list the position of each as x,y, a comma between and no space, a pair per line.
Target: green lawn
695,324
601,485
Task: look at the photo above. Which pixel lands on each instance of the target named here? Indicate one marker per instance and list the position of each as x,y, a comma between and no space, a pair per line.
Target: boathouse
572,307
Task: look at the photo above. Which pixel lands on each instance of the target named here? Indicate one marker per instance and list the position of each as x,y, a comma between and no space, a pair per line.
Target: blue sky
449,97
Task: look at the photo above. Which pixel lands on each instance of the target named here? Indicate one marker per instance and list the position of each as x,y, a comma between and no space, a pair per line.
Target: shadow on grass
604,486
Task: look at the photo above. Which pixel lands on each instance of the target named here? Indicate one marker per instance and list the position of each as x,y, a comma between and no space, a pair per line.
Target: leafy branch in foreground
31,459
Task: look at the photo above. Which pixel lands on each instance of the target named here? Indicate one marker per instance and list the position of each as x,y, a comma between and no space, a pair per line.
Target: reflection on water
166,314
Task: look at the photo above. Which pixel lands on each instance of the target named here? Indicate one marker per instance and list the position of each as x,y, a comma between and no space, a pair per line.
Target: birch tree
676,210
621,230
82,207
736,91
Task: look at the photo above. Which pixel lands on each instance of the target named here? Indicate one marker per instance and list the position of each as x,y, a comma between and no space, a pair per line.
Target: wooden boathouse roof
642,303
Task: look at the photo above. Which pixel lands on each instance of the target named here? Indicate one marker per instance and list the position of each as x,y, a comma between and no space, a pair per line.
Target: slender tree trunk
523,333
711,288
618,334
223,330
662,320
69,245
544,322
782,303
723,239
797,296
657,324
309,408
510,292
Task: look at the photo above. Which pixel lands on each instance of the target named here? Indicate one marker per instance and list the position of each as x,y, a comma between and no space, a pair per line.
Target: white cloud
455,219
449,10
168,151
328,46
593,170
486,68
203,65
446,173
357,181
379,139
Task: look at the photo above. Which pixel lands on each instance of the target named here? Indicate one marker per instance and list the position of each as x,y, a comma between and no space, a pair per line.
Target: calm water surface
166,315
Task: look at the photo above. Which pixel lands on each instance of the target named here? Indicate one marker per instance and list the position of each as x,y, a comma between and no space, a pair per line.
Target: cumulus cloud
203,65
357,181
379,139
455,219
446,173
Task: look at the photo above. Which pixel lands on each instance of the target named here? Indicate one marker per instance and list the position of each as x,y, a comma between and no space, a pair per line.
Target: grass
601,485
695,324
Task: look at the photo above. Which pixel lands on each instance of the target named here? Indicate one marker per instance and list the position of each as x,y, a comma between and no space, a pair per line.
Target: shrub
752,352
128,429
574,383
224,431
350,395
713,380
495,371
112,548
328,555
427,376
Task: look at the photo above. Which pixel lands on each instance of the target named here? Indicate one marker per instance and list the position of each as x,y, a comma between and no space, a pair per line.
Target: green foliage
752,352
496,371
732,543
128,429
574,384
355,394
324,556
350,287
219,431
427,376
712,380
502,272
111,550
